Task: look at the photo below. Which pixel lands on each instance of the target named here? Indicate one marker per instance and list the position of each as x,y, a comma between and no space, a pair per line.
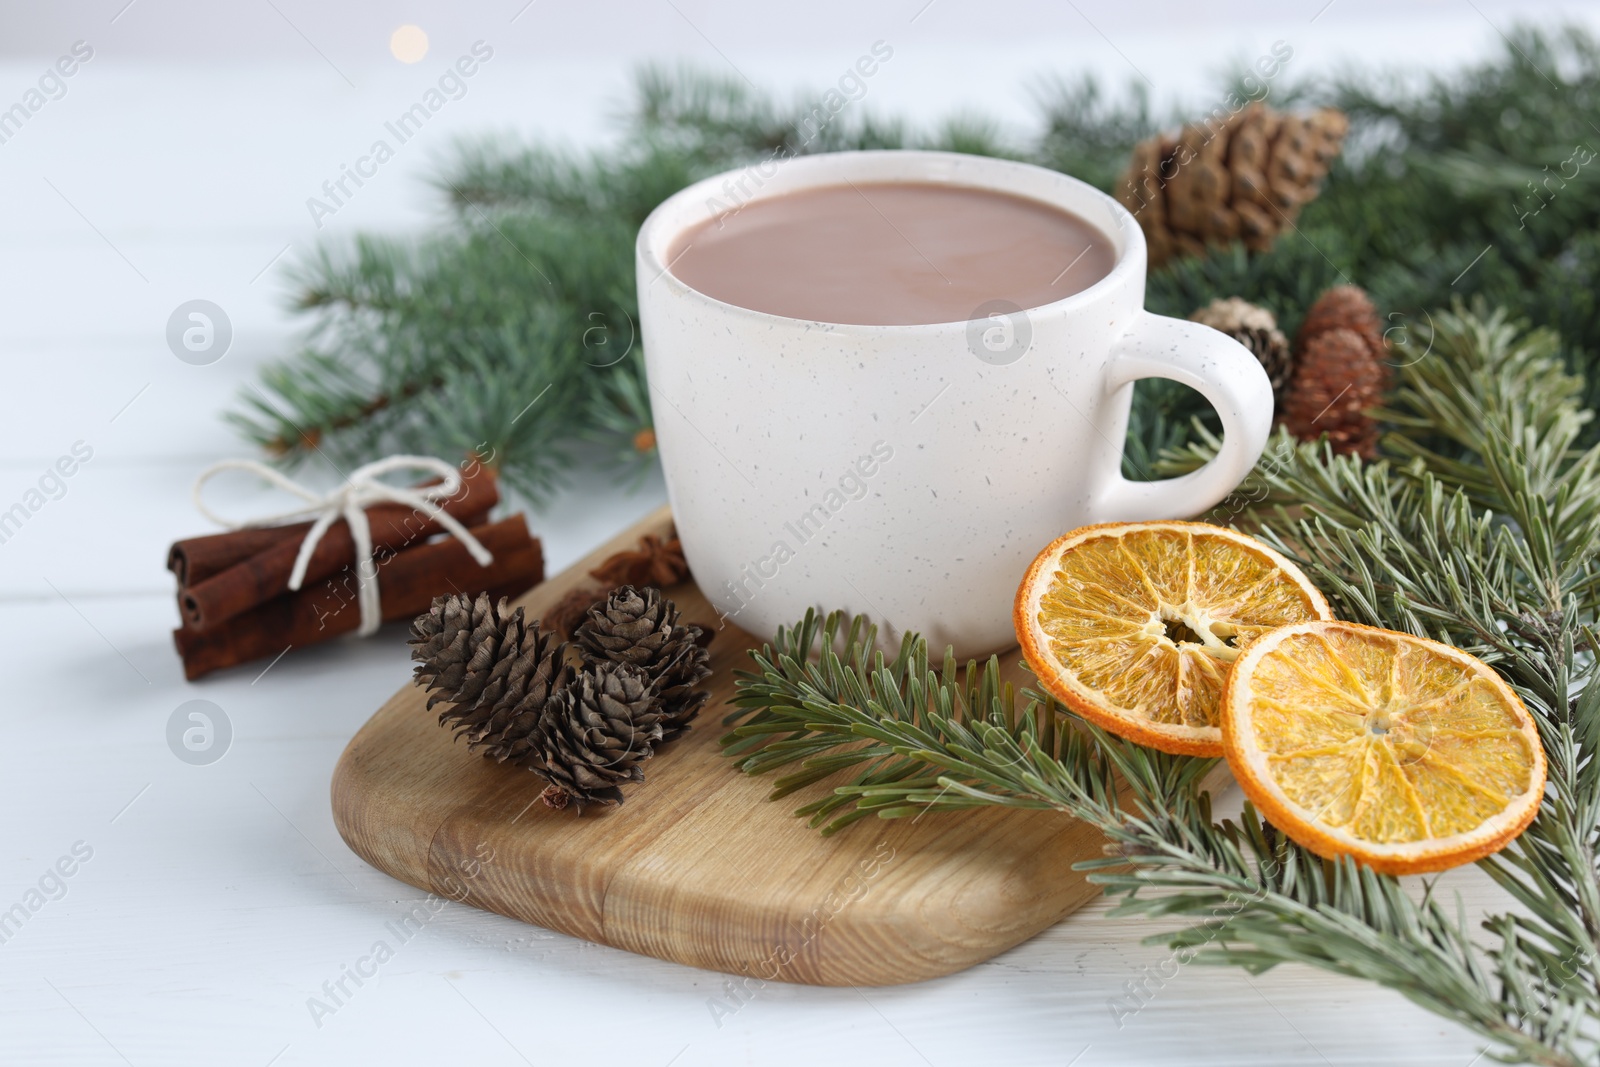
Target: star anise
655,562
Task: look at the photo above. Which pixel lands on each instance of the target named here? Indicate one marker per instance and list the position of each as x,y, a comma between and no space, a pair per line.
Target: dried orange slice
1408,755
1134,625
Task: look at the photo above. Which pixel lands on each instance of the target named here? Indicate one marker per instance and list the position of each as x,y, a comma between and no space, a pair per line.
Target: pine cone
1345,307
496,672
595,733
1244,179
1337,380
1341,371
654,562
644,629
1256,329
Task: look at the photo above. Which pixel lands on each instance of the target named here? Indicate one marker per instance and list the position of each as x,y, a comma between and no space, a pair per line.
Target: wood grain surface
697,866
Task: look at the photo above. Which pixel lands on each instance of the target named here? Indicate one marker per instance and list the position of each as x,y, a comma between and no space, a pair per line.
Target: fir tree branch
1427,187
1490,551
953,739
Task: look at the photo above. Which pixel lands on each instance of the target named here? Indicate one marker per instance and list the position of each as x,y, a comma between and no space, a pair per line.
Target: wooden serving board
697,866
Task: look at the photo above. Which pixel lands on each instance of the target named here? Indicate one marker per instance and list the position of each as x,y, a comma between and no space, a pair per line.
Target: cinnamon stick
264,575
195,559
407,583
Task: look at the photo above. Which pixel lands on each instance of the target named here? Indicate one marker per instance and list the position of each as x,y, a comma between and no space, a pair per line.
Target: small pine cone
495,672
1341,371
594,734
1256,329
643,628
677,678
1336,381
1345,307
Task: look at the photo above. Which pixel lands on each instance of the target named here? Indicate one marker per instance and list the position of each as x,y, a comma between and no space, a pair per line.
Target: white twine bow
349,502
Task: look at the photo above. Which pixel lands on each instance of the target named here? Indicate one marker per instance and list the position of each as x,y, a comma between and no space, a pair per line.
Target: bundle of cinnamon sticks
233,587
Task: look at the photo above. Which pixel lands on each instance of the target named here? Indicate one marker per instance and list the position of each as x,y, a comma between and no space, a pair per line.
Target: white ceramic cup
913,472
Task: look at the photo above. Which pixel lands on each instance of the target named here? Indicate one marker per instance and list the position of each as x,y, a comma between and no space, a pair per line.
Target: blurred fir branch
1481,530
1463,185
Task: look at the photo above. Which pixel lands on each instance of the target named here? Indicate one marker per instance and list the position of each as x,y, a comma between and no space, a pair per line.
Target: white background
220,898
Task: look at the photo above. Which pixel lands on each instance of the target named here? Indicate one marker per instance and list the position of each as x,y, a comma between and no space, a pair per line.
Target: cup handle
1225,373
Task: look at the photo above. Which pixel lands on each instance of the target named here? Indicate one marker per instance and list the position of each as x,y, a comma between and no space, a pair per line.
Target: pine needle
439,343
1480,528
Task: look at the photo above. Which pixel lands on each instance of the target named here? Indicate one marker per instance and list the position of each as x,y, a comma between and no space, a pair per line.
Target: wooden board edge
410,855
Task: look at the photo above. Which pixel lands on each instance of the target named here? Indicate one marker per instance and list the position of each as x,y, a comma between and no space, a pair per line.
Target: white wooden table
216,901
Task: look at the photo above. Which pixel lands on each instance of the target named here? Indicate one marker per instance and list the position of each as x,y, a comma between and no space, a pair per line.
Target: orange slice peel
1134,626
1407,755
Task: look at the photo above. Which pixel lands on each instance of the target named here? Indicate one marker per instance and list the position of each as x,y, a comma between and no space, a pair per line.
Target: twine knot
349,502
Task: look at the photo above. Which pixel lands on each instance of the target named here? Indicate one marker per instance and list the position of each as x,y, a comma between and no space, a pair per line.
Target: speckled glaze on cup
913,472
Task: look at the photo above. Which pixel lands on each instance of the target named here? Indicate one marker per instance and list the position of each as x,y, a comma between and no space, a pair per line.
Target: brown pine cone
496,672
655,562
643,628
1336,381
594,734
1256,329
1341,372
1345,307
1244,179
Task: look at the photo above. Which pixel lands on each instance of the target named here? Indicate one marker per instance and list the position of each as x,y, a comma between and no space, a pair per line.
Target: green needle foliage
1485,183
511,331
1479,527
513,335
